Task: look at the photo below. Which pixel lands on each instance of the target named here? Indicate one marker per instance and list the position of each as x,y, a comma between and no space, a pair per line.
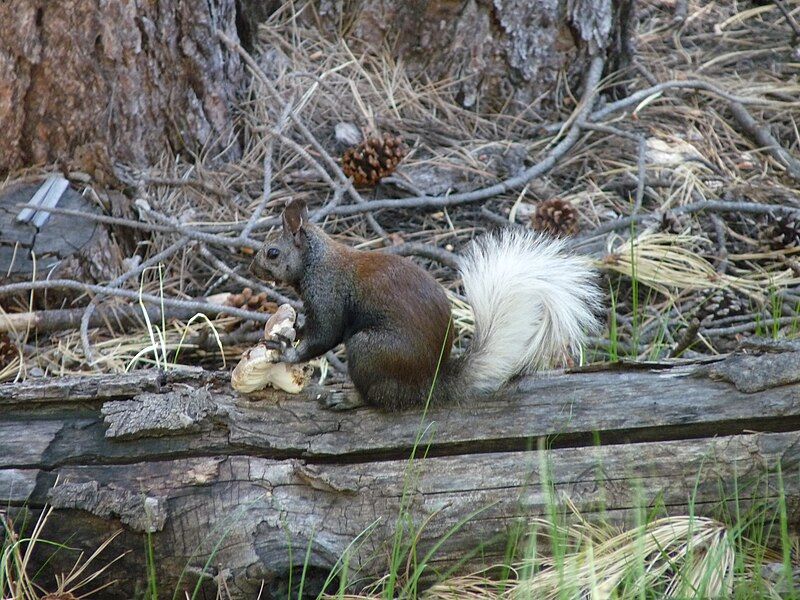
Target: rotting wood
184,457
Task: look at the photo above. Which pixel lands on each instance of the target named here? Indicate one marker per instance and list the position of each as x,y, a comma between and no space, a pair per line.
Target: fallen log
248,484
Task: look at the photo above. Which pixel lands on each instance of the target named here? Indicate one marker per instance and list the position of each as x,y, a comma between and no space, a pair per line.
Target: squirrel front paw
287,353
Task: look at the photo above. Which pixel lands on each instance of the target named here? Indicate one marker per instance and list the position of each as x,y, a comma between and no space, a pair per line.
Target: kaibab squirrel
532,303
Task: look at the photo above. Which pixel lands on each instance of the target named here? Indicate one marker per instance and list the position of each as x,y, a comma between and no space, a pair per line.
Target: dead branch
267,185
762,135
428,251
126,315
196,305
246,281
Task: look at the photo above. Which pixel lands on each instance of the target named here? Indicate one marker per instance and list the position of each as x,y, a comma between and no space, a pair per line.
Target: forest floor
669,186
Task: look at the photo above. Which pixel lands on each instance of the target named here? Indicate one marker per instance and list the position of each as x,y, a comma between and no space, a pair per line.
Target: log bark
254,481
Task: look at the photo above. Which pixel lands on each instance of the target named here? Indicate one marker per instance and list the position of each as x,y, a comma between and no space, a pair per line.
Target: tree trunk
498,55
89,82
254,481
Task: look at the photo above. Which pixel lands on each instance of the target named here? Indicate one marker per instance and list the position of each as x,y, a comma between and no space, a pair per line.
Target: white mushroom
259,366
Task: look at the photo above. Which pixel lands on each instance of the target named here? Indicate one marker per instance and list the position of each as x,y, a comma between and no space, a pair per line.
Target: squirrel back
531,301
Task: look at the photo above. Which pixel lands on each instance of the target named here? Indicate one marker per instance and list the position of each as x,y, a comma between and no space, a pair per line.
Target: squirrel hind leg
341,397
393,395
388,377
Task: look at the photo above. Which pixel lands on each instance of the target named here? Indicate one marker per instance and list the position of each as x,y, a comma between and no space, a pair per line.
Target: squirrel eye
273,253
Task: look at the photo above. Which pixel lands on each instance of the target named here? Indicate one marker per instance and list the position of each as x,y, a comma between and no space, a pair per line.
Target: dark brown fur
394,354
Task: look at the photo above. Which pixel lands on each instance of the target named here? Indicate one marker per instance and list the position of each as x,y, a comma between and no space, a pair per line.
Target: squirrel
532,302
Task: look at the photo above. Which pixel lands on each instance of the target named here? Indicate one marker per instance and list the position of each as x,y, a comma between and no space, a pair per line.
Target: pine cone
373,159
250,301
8,351
721,304
557,217
779,232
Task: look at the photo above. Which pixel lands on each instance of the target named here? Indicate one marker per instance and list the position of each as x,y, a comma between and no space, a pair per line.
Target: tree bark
498,55
90,82
254,481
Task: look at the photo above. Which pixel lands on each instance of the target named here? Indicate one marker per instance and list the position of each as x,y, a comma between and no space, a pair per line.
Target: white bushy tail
533,303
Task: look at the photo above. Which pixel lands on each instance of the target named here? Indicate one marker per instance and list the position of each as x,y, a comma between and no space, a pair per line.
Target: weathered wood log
256,480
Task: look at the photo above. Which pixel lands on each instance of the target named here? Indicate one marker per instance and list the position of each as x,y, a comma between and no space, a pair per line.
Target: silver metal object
47,196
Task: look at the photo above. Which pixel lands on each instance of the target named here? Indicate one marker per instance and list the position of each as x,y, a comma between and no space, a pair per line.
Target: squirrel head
282,257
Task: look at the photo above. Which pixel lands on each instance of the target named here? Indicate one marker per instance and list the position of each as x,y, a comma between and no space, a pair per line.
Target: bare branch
762,136
70,284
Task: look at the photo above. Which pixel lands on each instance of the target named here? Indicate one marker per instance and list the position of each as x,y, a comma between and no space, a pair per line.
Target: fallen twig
789,18
749,326
245,281
762,135
706,205
440,255
46,321
266,190
71,284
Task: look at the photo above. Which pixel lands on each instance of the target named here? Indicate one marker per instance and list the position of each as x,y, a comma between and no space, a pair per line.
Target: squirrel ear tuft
295,216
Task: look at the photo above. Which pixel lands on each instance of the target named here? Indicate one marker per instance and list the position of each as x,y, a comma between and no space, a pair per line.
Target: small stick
752,326
706,205
246,282
71,284
192,233
789,18
641,174
46,321
762,135
440,255
102,218
198,183
687,339
681,12
323,212
167,226
719,230
267,186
